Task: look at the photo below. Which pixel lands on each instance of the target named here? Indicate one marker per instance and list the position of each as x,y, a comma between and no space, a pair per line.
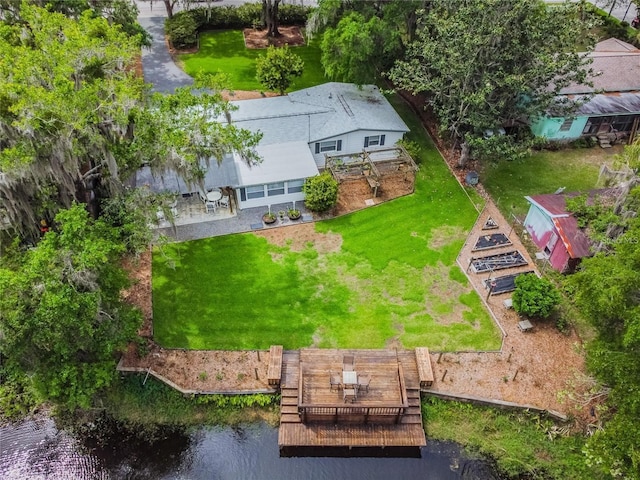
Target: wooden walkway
313,415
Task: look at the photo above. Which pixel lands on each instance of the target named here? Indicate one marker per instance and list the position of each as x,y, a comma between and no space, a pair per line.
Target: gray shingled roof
616,68
319,112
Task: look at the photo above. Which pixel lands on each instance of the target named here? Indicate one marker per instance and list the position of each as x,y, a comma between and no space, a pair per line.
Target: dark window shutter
243,194
381,139
339,145
366,142
317,147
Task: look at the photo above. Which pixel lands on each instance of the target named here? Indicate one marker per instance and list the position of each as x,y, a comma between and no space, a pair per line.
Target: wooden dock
315,419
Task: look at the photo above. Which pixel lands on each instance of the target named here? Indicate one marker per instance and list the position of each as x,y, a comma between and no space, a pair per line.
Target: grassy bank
155,403
524,444
224,51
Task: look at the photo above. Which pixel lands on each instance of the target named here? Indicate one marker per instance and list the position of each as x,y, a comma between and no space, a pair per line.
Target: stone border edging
121,368
496,403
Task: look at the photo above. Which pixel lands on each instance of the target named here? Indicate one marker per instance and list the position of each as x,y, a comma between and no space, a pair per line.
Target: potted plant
293,214
281,214
269,218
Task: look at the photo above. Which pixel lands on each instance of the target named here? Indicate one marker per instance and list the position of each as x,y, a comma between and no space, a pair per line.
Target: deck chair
363,382
349,394
334,381
208,206
348,362
224,201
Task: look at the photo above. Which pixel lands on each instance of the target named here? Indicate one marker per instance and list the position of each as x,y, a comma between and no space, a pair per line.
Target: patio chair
208,206
348,362
349,394
334,381
363,382
224,201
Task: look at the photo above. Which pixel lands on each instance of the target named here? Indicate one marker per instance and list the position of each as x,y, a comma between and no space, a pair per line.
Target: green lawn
224,51
543,172
394,279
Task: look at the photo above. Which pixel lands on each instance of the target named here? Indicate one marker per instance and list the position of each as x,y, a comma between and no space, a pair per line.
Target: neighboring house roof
616,68
610,104
318,113
280,162
554,206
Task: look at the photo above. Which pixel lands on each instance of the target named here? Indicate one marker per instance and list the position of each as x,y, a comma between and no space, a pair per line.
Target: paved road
158,66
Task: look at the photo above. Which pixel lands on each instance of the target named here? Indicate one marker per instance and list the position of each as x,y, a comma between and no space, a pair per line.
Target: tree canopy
607,290
276,69
361,40
61,314
76,120
67,91
485,64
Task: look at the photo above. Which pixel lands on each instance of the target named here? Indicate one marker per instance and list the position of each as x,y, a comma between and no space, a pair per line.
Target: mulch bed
256,38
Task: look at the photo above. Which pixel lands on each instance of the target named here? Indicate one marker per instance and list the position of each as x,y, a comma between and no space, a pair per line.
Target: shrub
321,192
276,69
182,30
534,296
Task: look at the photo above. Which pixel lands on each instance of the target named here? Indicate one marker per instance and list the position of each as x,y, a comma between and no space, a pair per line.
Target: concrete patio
192,222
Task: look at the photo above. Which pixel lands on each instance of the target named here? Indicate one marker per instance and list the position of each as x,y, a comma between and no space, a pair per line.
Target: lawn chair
334,381
349,394
348,363
363,382
208,206
224,201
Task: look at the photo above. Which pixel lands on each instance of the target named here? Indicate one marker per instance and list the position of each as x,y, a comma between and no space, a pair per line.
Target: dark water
36,449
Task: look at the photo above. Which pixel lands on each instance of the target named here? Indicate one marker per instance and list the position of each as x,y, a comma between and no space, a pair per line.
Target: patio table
214,196
349,379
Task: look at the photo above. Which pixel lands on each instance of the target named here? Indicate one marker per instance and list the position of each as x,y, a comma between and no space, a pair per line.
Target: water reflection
38,450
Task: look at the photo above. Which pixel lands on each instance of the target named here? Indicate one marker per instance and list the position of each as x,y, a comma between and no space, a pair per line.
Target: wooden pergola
373,165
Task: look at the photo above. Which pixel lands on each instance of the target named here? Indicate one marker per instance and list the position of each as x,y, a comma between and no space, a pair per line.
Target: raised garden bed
490,224
498,262
495,240
504,284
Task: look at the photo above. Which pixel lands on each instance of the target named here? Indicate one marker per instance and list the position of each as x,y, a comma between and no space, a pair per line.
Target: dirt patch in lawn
255,38
445,235
298,237
139,293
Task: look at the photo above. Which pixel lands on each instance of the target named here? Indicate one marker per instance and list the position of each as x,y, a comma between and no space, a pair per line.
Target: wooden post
444,375
258,351
439,357
509,359
257,378
517,370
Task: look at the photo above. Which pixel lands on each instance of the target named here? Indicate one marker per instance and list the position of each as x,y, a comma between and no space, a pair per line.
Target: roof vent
330,95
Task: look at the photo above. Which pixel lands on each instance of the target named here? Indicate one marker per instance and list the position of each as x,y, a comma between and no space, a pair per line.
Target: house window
274,189
373,140
566,125
329,146
255,191
294,186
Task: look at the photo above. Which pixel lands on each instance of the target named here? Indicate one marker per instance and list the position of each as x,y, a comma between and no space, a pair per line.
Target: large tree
62,319
361,40
76,121
483,64
67,91
270,19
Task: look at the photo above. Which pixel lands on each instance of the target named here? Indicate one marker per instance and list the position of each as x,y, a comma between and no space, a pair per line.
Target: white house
298,130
